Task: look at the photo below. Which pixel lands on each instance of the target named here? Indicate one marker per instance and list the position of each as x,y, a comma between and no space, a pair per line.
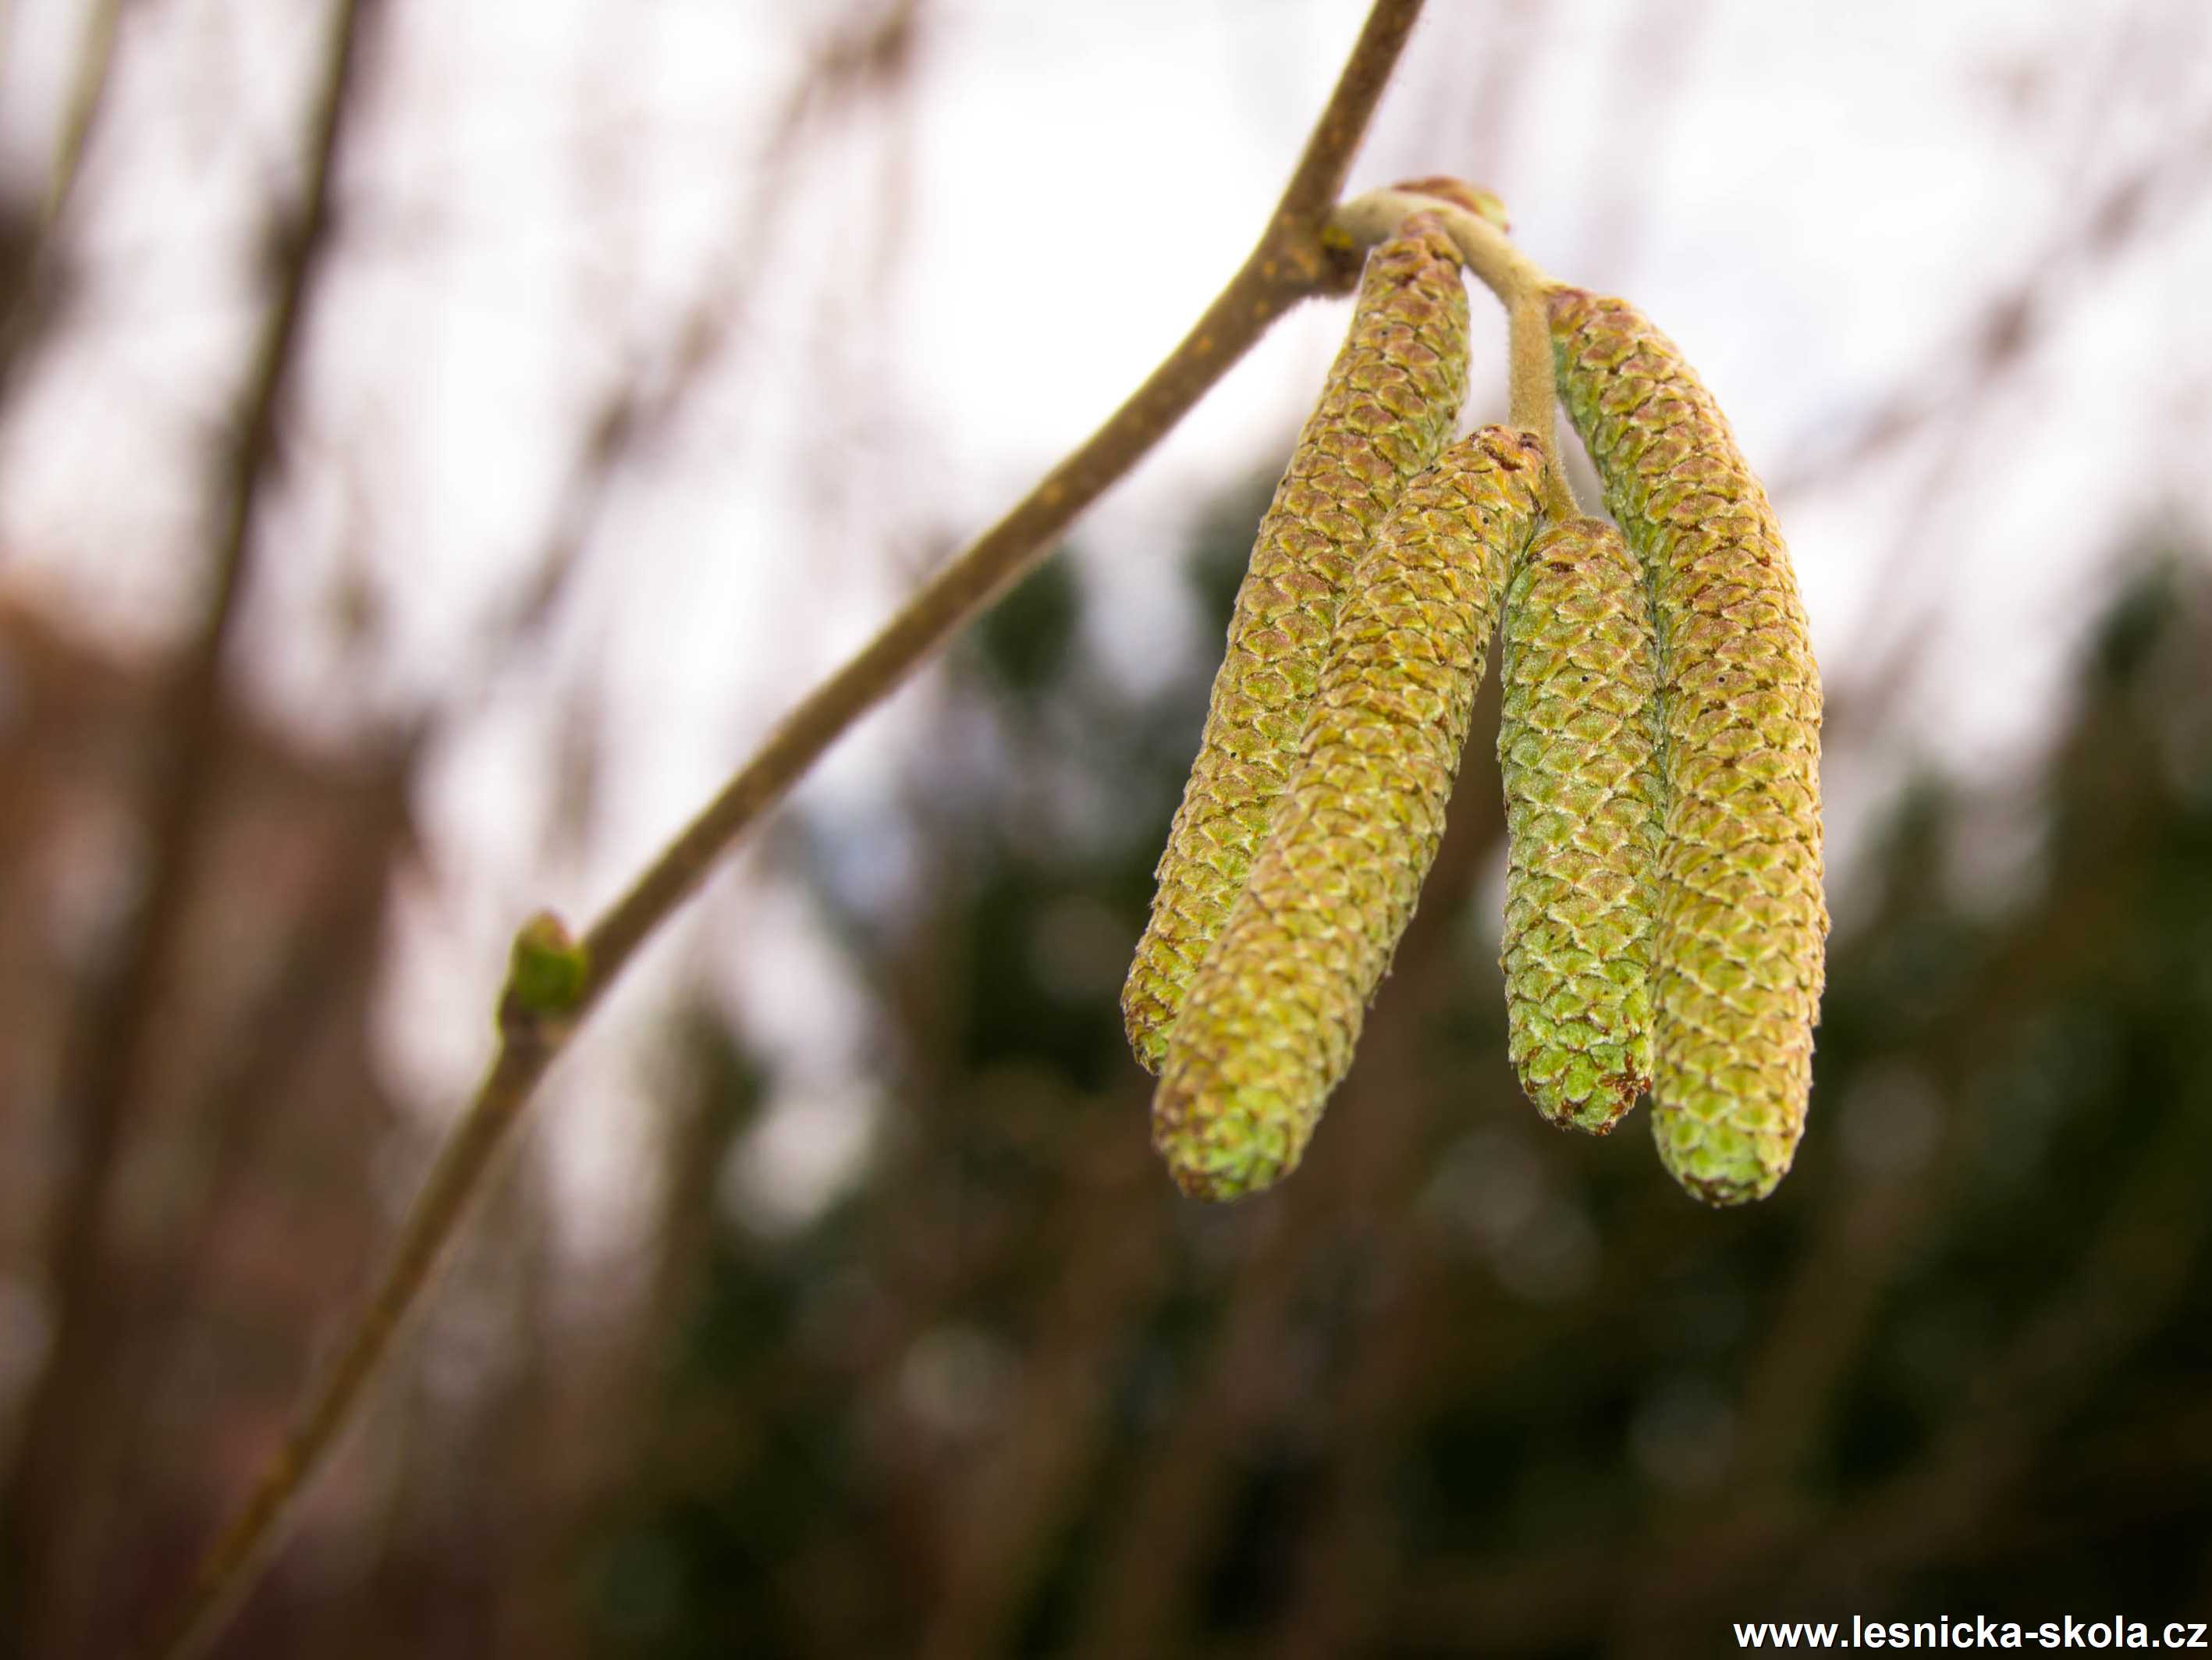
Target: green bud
546,971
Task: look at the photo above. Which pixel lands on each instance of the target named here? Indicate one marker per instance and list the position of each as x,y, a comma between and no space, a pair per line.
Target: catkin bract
1384,413
1577,673
1270,1021
1736,954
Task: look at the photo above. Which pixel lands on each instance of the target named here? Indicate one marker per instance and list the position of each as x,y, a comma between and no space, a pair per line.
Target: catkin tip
1715,1167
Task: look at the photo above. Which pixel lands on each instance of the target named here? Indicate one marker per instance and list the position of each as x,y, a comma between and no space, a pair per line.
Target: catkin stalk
1385,412
1576,669
1268,1026
1737,954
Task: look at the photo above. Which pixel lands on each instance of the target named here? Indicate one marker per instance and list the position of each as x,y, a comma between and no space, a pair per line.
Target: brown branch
106,1045
2014,318
1051,1439
42,276
1291,262
1143,1581
870,49
328,957
1318,180
88,97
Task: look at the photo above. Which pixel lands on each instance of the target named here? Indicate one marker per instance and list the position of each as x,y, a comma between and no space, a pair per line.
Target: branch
1318,180
1293,260
105,1047
869,49
88,97
31,305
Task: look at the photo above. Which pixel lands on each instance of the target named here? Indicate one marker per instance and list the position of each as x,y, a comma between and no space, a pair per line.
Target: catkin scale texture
1740,922
1576,671
1385,413
1268,1026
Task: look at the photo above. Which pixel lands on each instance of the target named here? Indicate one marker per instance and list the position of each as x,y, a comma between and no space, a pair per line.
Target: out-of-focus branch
328,955
641,410
1347,1567
2136,1265
24,312
1291,262
88,97
106,1047
2013,318
1147,1562
1013,1507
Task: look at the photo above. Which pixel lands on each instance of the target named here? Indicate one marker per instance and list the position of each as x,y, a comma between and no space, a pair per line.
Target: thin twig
87,96
1048,1442
867,50
41,279
107,1048
1291,262
1535,402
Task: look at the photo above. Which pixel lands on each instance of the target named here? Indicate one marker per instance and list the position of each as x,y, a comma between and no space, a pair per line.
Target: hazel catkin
1741,922
1268,1027
1576,671
1385,412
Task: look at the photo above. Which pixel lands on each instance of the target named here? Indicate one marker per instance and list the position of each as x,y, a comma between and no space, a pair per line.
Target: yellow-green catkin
1385,412
1576,671
1268,1026
1737,952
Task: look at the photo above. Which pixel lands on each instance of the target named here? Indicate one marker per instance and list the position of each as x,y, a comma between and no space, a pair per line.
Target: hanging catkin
1576,671
1385,411
1736,953
1269,1022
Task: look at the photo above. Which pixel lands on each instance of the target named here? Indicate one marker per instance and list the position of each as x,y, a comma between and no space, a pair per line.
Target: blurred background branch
104,1047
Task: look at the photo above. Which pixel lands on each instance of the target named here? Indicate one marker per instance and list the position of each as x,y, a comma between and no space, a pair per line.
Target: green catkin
1385,412
1737,952
1269,1022
1576,671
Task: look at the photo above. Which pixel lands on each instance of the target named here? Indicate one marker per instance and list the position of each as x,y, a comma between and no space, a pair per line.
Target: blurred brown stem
1291,262
88,94
32,304
104,1054
872,48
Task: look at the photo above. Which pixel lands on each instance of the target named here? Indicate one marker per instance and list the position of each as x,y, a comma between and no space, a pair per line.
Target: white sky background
1816,201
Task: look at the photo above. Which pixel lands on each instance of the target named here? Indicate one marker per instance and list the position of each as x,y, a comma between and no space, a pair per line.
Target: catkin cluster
1659,744
1740,923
